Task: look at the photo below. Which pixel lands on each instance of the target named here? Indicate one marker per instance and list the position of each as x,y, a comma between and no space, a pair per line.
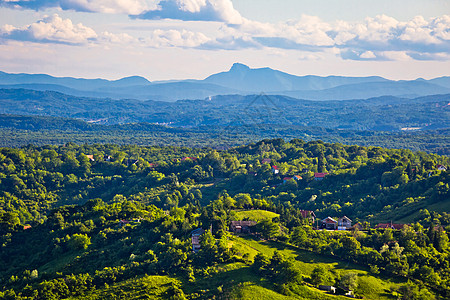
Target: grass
370,287
442,206
254,215
239,281
252,291
147,287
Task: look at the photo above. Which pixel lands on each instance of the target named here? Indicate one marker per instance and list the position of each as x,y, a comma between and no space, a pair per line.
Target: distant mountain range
239,80
386,113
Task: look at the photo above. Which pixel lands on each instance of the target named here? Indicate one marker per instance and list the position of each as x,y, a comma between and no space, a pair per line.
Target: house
297,177
152,165
91,157
350,294
266,160
25,227
329,223
319,176
123,222
357,226
308,214
188,158
389,225
195,238
107,158
242,226
328,288
441,168
285,179
131,161
344,223
275,170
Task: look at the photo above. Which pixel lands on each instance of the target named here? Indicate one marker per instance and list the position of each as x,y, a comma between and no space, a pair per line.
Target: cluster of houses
343,223
317,176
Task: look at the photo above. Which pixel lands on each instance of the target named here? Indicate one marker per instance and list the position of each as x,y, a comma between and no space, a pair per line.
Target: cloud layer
379,38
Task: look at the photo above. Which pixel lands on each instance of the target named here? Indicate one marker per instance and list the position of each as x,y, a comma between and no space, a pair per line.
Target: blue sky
179,39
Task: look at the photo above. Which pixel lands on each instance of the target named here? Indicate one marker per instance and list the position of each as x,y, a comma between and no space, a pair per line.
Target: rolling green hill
105,221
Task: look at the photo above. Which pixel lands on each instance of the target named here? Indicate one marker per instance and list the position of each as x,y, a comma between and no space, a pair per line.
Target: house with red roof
308,214
242,226
285,179
441,168
389,225
319,176
329,223
297,177
188,158
275,170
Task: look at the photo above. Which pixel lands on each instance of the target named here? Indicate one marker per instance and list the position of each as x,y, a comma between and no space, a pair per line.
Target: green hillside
255,215
105,221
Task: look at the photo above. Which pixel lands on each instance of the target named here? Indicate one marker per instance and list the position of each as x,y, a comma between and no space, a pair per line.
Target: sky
191,39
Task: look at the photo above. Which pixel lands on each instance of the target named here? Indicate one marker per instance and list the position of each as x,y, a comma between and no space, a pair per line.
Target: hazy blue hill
406,89
74,83
442,81
170,91
268,80
240,79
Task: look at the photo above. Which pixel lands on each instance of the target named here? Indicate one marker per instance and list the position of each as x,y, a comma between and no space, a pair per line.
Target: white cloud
367,55
194,10
52,29
174,38
98,6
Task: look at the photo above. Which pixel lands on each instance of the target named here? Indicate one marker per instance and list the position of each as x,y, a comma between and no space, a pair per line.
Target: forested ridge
17,131
93,220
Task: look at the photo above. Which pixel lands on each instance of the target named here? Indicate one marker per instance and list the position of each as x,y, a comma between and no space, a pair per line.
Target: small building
195,238
319,176
25,227
286,179
329,223
308,214
328,288
389,225
91,157
107,158
275,170
242,226
350,294
123,222
131,162
189,158
297,177
344,223
441,168
266,161
357,226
